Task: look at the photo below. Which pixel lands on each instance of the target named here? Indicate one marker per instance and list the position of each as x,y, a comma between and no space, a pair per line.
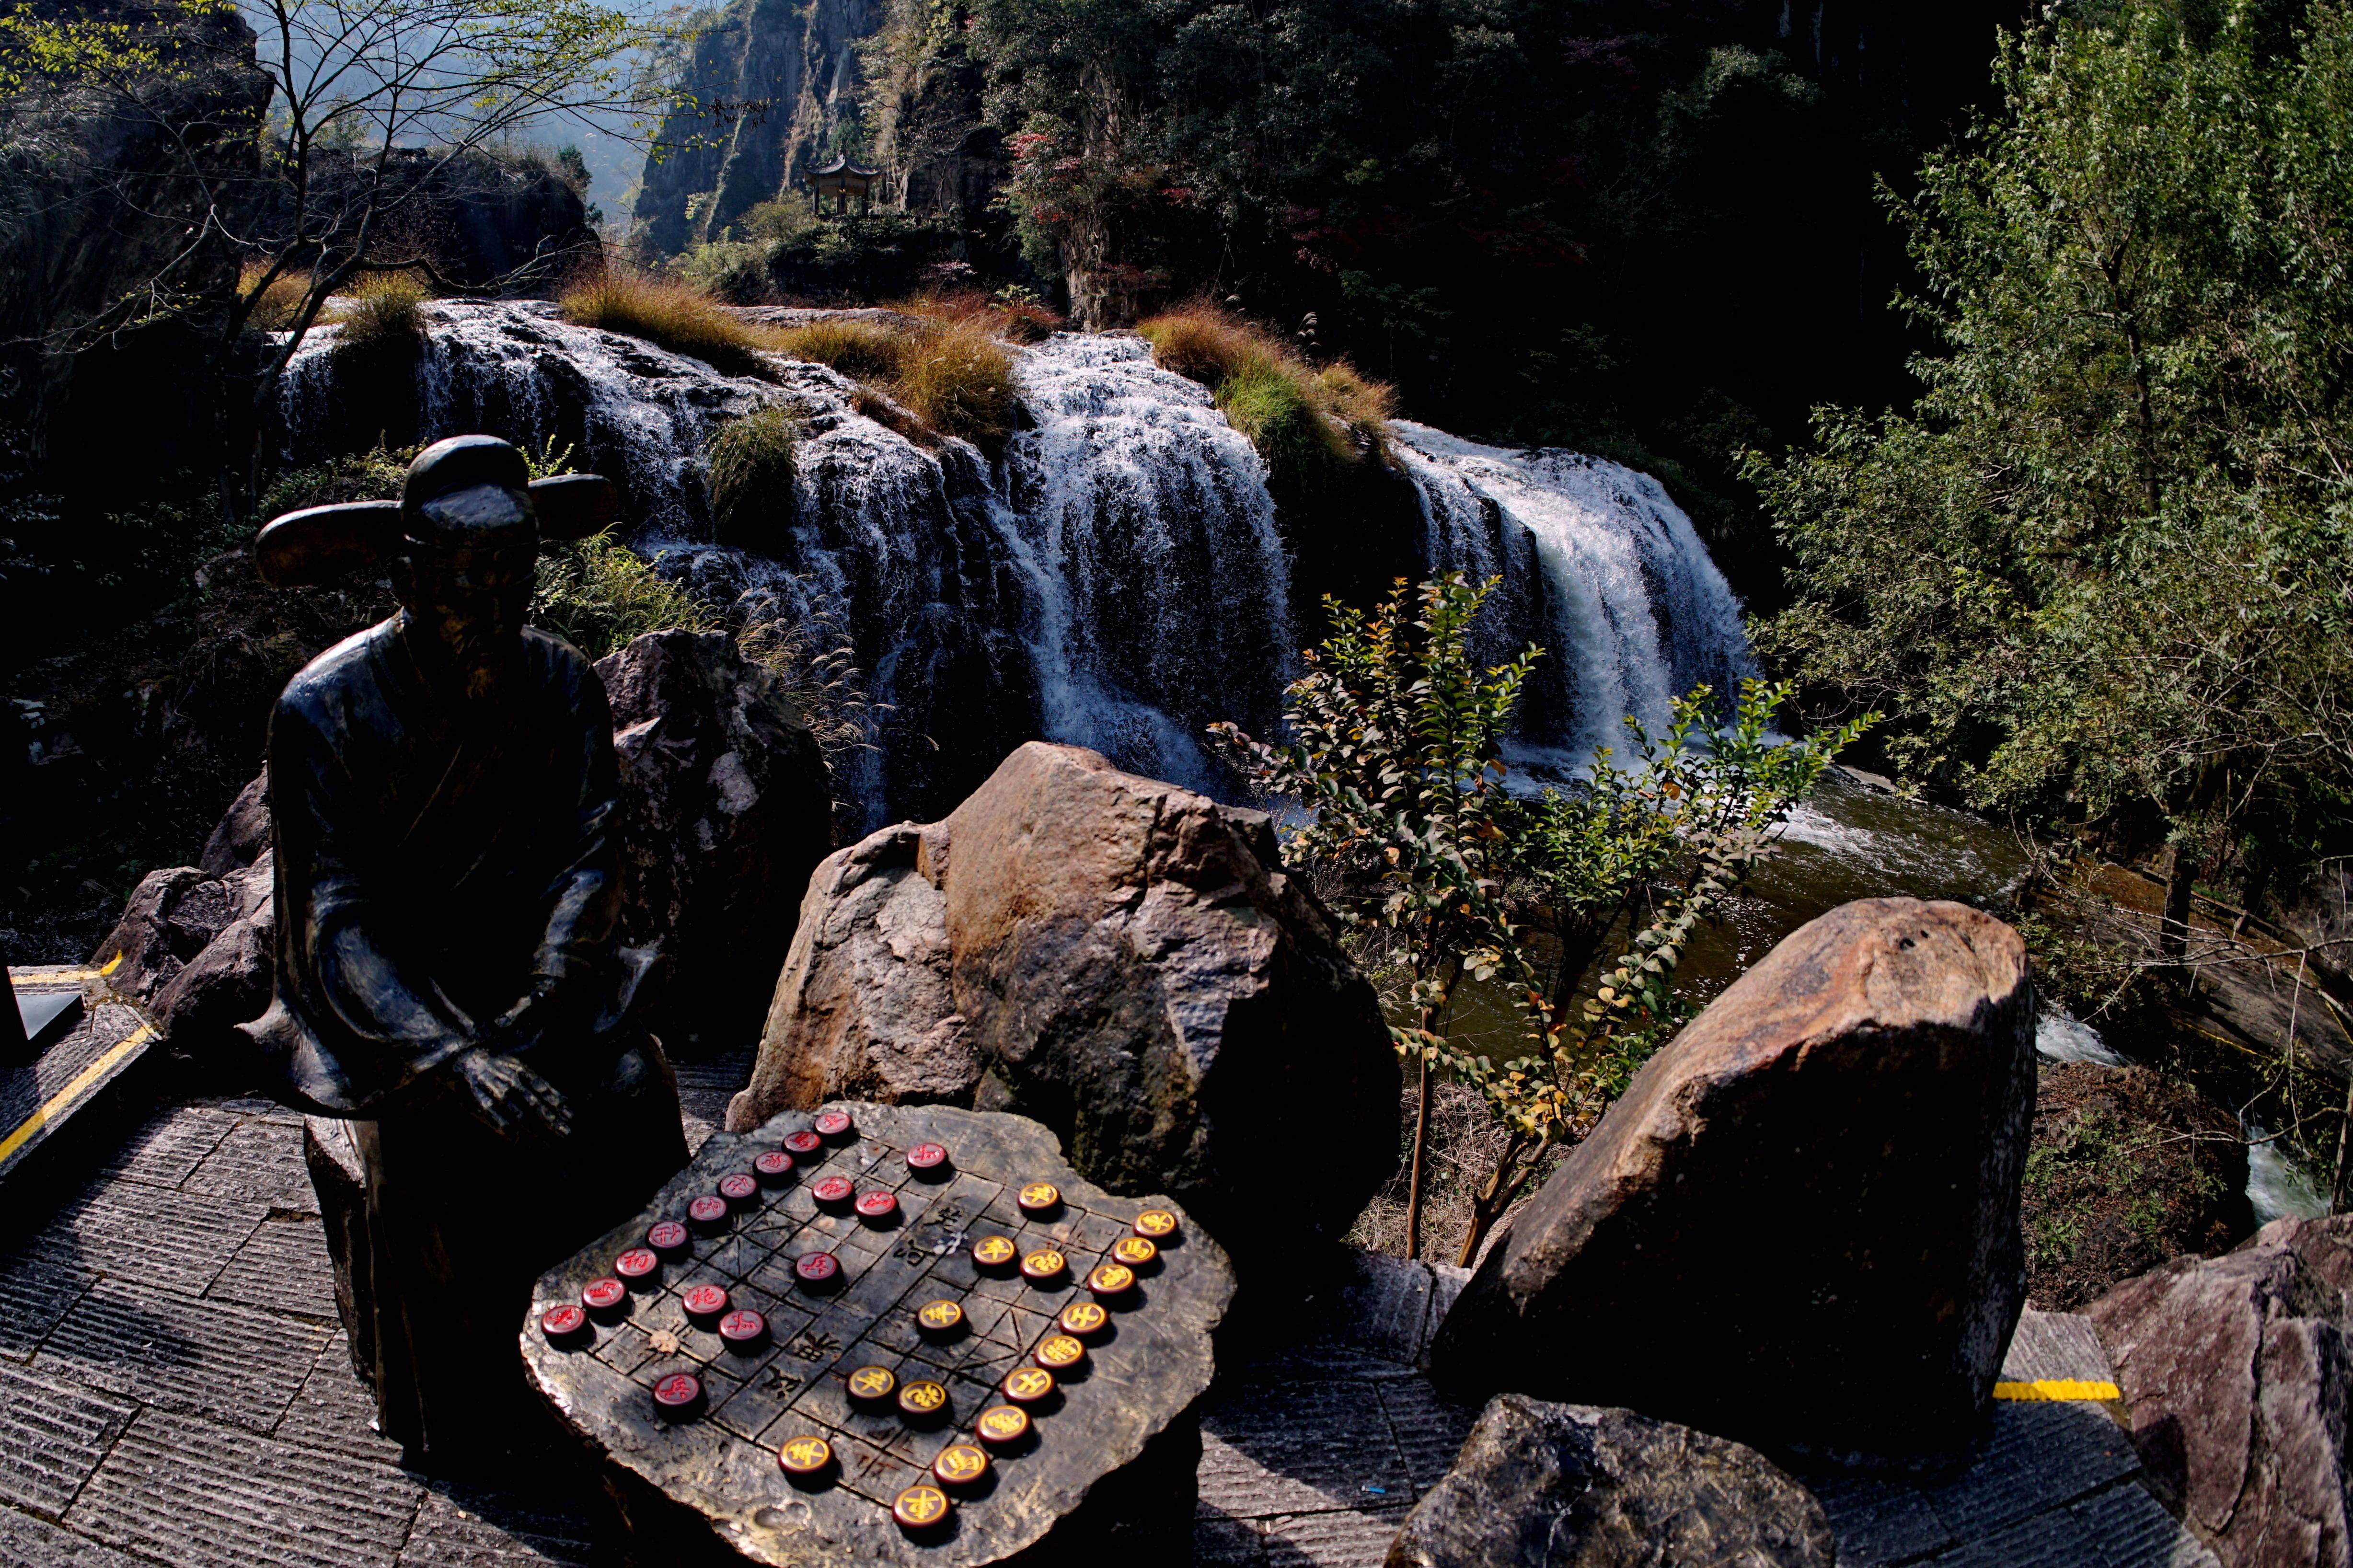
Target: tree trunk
1413,1176
2173,928
2344,1127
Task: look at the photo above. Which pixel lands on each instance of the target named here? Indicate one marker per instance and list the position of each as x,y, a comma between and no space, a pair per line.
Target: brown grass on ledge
674,316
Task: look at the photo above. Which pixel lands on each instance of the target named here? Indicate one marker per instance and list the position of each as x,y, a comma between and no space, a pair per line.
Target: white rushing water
1162,590
1117,578
1601,567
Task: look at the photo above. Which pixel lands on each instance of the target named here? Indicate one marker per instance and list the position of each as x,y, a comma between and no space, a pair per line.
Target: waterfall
1114,578
1599,568
1142,519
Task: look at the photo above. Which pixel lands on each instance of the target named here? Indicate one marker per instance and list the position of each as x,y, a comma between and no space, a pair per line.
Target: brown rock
1807,1199
229,982
2234,1372
730,807
1126,962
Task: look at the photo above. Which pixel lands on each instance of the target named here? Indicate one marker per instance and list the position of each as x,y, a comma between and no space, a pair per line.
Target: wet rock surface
2235,1371
730,808
711,1473
1125,961
1573,1486
1810,1195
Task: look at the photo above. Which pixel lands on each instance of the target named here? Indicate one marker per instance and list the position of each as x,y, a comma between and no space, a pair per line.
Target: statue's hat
465,485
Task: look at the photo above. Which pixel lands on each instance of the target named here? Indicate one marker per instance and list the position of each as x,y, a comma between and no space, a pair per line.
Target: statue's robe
437,861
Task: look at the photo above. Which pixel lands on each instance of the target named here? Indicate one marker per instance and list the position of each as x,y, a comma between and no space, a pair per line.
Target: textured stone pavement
175,1389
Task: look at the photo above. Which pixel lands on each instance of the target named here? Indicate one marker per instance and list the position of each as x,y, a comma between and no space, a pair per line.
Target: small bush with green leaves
598,594
1396,763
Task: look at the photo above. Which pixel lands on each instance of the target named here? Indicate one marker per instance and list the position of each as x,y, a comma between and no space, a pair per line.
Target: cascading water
1162,589
1599,568
1115,579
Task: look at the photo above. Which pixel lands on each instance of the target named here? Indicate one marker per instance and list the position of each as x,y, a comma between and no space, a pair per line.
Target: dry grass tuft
863,351
949,371
279,303
381,312
959,379
948,375
674,316
1299,417
1017,321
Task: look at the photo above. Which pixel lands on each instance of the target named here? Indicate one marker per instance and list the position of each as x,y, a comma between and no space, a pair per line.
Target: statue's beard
469,663
480,664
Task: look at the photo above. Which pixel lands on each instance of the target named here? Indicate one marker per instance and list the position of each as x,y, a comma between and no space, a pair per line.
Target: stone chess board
880,1334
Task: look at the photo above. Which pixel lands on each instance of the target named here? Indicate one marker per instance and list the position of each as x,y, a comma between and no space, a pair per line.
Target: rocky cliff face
101,194
774,85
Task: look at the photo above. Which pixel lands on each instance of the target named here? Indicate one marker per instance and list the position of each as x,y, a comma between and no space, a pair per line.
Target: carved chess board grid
1141,1371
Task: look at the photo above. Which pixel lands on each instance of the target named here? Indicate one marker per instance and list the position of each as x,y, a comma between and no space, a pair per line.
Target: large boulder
194,946
1120,959
1573,1486
1809,1198
2233,1371
731,806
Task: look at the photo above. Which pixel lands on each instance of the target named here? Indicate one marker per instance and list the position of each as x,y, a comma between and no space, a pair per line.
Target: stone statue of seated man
450,977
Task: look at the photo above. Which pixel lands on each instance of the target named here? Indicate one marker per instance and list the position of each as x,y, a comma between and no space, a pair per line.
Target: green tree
1396,763
2101,574
1640,855
1396,756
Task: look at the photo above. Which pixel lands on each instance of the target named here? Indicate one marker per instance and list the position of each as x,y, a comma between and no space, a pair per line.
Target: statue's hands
507,1093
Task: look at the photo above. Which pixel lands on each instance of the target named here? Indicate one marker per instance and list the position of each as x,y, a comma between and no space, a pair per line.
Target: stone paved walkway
175,1389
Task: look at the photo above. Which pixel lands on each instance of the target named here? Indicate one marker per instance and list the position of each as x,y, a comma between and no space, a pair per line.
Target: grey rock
730,807
1574,1485
2235,1371
865,1007
1809,1197
242,836
227,984
171,917
1128,963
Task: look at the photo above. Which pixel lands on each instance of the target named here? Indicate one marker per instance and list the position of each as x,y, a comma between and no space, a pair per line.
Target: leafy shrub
675,316
750,464
367,476
731,271
381,315
598,593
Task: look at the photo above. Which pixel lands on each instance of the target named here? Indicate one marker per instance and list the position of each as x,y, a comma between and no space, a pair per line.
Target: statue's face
467,589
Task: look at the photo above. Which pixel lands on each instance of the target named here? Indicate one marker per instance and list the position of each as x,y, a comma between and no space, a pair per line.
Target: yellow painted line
2057,1388
64,977
59,1102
